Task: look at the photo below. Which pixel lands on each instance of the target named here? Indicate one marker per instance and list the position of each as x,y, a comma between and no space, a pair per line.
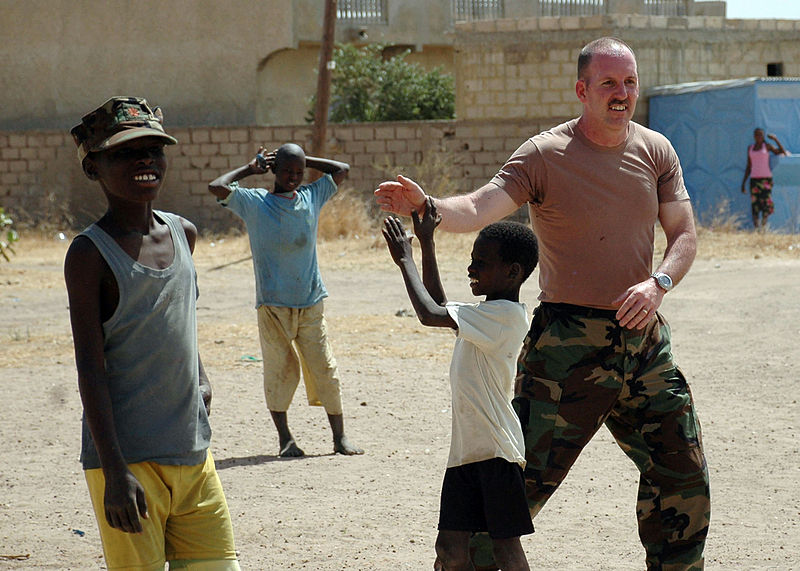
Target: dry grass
349,238
727,244
345,216
437,172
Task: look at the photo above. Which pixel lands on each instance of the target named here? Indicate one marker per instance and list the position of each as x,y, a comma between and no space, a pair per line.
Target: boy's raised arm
424,229
221,186
428,311
124,495
338,170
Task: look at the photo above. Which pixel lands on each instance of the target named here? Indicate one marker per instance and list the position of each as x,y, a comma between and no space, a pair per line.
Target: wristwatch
663,280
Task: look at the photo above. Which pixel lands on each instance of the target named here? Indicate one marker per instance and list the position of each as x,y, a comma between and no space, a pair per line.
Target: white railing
362,11
666,7
549,8
591,7
469,10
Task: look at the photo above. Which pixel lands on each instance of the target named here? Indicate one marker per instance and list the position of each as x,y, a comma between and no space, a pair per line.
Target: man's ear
580,89
89,169
515,271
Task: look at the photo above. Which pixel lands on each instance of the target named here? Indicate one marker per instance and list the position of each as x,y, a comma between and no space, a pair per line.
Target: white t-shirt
485,425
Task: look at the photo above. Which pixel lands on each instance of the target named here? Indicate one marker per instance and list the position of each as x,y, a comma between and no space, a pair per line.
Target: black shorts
485,496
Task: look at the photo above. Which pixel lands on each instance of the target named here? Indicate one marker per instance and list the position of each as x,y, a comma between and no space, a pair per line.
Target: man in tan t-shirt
598,352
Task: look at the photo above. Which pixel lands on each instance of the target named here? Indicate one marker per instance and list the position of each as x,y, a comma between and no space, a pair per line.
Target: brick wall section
527,67
41,180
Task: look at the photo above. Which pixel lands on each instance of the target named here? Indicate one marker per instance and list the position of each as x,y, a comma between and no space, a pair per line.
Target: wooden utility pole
319,134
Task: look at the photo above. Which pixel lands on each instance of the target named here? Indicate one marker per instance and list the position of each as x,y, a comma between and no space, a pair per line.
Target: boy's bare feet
340,443
291,450
342,446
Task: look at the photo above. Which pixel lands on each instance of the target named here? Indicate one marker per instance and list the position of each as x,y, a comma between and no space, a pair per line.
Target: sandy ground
736,325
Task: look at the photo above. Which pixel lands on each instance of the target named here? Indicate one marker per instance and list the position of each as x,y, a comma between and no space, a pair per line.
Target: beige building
254,62
206,62
234,74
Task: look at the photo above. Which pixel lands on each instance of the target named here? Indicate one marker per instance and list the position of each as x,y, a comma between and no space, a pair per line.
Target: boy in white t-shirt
484,487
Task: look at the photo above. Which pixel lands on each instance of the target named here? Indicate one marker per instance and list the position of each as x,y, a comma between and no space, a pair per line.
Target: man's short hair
517,244
600,45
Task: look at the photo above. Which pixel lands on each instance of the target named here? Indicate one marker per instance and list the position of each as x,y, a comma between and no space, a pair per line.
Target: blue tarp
711,123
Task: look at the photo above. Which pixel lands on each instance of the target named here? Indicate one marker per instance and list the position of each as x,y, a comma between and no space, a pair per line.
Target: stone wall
41,181
527,67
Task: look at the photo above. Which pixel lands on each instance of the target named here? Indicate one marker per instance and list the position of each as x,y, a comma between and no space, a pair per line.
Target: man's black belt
582,310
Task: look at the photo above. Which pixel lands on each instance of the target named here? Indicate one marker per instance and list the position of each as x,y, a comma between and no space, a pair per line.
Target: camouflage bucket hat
117,121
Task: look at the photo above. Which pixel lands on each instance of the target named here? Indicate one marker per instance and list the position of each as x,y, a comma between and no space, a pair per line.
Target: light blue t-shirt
283,240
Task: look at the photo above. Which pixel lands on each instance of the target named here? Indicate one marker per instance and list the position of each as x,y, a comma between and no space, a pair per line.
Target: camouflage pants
578,370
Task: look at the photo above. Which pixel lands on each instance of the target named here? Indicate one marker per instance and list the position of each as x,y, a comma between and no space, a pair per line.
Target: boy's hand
124,502
396,239
425,227
263,161
205,393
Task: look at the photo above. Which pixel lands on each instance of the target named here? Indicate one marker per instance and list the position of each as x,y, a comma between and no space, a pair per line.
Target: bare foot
343,446
291,450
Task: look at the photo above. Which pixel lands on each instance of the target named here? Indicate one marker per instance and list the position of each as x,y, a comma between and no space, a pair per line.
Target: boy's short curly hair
517,244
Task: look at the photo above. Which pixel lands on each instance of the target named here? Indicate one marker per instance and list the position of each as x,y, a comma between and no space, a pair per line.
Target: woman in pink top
760,175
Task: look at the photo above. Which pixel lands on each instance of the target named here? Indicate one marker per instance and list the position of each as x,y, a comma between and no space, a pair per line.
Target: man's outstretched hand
402,196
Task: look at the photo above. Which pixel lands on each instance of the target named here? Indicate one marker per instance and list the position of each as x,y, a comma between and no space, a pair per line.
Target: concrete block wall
527,67
41,181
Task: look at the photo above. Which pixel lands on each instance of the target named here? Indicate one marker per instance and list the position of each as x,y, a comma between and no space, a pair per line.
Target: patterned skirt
761,196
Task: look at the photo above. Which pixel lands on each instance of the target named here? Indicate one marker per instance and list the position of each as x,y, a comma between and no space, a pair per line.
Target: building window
477,10
362,11
775,69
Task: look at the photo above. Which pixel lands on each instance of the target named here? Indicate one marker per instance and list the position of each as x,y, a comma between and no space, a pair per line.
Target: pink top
759,162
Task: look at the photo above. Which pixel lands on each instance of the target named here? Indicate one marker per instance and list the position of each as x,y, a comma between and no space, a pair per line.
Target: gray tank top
150,347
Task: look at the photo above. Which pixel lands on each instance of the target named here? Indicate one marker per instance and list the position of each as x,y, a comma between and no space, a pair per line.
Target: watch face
664,281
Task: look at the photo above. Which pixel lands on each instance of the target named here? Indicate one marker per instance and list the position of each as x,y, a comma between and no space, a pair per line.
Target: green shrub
7,235
366,87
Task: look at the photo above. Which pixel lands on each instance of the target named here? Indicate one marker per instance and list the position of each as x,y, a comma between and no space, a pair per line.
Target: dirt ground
736,326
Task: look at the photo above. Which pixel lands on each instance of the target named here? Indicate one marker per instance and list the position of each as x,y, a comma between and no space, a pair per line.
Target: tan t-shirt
593,208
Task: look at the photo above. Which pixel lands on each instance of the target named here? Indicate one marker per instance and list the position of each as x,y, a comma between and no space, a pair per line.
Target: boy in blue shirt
484,487
282,227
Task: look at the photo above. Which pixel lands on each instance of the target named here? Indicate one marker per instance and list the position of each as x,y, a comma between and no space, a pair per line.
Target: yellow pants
188,522
293,339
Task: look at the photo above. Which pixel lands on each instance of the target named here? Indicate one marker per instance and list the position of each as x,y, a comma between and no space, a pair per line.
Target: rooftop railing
550,8
362,11
477,10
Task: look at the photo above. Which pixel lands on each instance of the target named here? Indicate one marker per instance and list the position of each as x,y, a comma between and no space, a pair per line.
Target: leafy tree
366,86
7,235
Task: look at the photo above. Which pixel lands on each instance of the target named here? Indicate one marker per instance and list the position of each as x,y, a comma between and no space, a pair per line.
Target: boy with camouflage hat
132,287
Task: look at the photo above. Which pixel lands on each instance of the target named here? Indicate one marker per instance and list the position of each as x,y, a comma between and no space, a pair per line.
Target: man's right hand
400,197
124,502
